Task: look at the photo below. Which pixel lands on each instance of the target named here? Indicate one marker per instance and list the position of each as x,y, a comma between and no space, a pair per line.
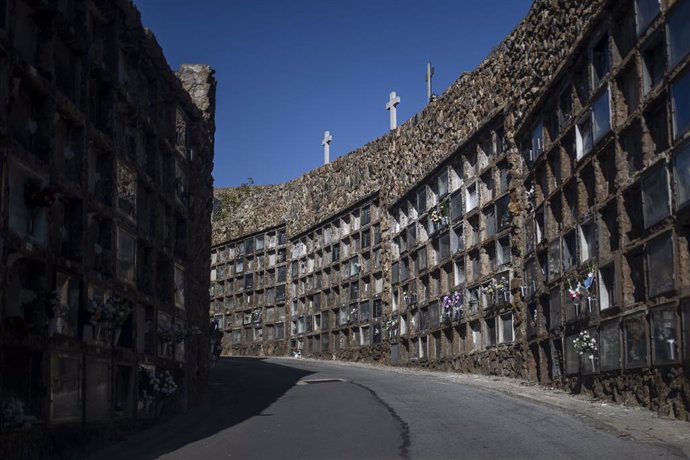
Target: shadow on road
240,388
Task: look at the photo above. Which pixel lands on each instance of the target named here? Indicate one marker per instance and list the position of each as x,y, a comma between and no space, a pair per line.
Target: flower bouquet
585,344
452,306
112,312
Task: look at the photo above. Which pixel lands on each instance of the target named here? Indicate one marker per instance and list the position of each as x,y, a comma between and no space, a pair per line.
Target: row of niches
247,283
333,296
349,314
422,337
329,342
605,100
343,228
330,277
258,334
87,387
33,118
463,268
474,163
61,142
346,337
585,228
362,263
155,159
256,266
448,287
642,134
110,181
414,331
255,317
45,216
55,55
643,275
258,290
449,197
592,179
449,233
243,285
659,336
90,312
360,325
268,324
423,334
356,245
269,241
225,298
110,58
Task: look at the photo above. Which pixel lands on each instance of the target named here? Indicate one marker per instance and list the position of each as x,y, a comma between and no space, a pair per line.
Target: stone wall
510,78
199,82
105,200
572,207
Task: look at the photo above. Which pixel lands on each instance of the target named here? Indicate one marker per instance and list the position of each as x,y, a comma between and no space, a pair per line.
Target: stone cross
326,142
429,75
393,101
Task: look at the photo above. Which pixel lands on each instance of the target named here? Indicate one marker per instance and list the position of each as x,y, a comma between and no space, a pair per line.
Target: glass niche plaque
572,358
123,395
146,392
97,390
610,346
65,388
166,334
635,330
65,305
664,327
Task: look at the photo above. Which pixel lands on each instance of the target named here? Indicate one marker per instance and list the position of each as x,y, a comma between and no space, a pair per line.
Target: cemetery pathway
286,408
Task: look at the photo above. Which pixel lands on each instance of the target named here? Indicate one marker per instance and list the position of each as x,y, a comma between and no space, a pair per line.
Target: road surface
304,409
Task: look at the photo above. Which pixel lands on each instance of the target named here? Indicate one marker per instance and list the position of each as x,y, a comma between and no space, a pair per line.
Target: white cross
326,141
393,101
429,74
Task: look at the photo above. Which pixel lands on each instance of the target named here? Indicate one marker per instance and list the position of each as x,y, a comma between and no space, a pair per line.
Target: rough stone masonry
549,186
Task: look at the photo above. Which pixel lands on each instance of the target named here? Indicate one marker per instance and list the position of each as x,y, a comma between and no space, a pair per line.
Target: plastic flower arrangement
489,288
452,305
163,384
577,289
172,334
113,312
166,334
409,297
585,344
377,330
167,385
587,282
180,335
440,214
390,324
573,292
57,309
502,285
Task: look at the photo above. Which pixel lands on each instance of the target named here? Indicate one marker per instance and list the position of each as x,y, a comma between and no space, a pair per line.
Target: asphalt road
294,409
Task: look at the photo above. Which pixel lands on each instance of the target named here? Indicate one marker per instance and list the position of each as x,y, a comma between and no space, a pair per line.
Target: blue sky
288,70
